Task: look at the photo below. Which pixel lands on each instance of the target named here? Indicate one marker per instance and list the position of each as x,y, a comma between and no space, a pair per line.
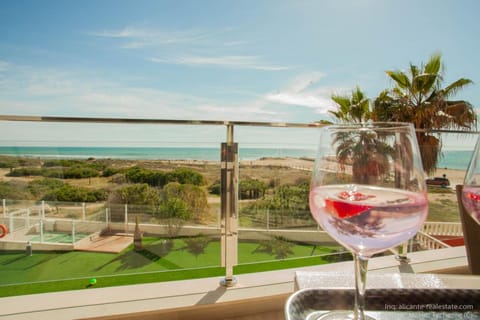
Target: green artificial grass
60,271
107,281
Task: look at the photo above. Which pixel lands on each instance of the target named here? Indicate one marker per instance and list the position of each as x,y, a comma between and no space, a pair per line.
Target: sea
150,153
451,159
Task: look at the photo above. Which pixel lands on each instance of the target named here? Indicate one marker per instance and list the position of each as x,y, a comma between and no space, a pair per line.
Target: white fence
90,218
443,228
28,219
426,237
428,242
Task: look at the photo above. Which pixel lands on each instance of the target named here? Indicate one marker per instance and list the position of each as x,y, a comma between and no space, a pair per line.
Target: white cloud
133,45
304,91
253,110
144,37
139,102
216,49
84,95
51,83
304,81
31,83
47,91
234,62
130,32
41,91
300,99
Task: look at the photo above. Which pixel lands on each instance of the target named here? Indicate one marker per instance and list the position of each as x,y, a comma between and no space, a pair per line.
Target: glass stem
361,265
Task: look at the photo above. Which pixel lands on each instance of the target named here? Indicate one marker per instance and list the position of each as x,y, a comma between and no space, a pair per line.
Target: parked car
438,181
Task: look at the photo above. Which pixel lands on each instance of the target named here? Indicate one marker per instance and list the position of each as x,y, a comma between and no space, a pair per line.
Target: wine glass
368,192
471,185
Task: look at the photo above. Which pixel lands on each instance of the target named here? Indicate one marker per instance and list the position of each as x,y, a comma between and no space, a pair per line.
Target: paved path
105,243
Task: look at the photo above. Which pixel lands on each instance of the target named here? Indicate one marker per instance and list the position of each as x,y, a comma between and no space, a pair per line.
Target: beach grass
442,205
443,210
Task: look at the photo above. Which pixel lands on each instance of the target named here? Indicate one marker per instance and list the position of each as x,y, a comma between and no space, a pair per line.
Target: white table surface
306,280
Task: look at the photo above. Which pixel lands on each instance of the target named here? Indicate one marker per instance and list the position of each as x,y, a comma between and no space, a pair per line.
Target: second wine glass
471,185
368,192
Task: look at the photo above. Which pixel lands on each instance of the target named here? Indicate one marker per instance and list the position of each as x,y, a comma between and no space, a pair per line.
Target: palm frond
341,100
434,64
430,148
424,83
414,70
400,78
461,114
456,86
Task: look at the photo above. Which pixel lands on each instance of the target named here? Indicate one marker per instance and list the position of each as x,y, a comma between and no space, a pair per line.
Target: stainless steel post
126,218
229,205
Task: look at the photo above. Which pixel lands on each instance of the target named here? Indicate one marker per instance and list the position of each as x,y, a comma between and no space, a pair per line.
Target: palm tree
364,150
354,108
418,98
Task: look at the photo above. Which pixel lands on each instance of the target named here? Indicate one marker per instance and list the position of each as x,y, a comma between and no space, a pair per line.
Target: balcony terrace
240,287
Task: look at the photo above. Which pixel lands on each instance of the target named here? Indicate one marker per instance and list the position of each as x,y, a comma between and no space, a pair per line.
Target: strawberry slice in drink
473,196
342,209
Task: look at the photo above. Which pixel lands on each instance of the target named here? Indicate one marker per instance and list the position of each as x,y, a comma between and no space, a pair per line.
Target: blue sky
249,60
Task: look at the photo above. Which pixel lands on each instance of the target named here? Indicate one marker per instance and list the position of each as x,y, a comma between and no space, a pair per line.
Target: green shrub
150,177
80,172
74,172
252,189
215,188
13,190
70,193
108,172
139,194
39,187
157,178
25,172
185,176
61,163
9,163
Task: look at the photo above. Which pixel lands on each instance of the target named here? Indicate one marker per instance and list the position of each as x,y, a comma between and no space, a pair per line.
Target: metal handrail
157,121
318,124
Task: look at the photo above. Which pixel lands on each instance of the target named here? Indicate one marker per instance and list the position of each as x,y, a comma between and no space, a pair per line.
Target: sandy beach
298,164
455,176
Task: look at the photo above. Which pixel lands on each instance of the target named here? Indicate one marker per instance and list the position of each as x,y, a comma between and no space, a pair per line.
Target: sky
249,60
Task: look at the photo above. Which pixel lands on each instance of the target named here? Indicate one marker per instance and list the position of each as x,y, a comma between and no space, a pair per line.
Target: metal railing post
229,205
73,231
126,218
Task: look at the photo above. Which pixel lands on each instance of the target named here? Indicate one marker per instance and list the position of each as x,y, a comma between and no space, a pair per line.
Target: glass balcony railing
103,202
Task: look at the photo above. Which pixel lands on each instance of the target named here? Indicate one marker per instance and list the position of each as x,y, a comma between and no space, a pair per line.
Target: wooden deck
113,243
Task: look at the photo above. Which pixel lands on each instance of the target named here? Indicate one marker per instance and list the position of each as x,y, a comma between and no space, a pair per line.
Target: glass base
335,315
